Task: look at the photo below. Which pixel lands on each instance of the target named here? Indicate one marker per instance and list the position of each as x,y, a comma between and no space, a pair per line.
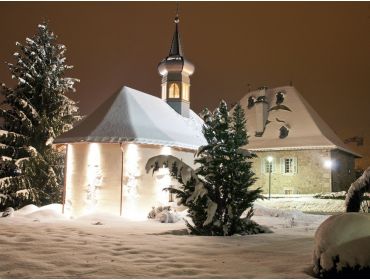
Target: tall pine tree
226,170
33,113
219,191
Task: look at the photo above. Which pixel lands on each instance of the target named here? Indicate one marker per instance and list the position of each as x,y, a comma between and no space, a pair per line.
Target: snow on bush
164,214
331,195
342,246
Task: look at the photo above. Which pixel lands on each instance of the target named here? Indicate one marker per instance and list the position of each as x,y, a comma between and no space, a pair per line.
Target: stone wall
309,177
343,173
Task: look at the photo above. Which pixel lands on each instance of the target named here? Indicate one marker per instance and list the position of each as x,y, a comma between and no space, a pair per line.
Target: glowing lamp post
269,160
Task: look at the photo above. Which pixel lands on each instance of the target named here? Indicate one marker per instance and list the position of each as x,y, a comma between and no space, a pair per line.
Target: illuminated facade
108,150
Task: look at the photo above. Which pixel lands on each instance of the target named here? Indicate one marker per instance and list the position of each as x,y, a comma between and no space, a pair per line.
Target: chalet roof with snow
130,115
291,123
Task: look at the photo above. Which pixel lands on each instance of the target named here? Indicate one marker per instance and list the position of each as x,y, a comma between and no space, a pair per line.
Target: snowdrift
342,246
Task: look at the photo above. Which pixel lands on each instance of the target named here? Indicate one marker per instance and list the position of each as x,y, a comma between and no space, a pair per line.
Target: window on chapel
174,91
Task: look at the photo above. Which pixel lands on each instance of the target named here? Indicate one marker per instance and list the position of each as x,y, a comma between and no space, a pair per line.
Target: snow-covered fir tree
220,190
33,113
226,171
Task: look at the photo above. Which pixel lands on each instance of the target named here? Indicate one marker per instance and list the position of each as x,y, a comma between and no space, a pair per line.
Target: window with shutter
288,166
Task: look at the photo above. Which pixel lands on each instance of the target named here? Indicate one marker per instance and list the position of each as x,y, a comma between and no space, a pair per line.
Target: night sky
323,48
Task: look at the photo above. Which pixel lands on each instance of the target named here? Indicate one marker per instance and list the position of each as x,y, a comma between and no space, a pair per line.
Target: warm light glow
163,180
166,151
174,91
164,91
131,197
269,159
185,91
328,164
94,178
68,190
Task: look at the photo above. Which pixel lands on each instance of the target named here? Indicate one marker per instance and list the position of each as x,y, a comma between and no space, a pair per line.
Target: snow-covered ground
41,243
306,204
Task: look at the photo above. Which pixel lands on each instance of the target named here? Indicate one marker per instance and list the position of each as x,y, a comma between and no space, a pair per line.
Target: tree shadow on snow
173,232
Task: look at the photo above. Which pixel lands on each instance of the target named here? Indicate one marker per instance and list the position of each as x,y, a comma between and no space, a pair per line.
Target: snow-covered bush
331,195
9,212
164,214
342,246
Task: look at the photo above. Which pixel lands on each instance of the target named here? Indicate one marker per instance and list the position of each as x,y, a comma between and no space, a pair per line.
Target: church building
108,150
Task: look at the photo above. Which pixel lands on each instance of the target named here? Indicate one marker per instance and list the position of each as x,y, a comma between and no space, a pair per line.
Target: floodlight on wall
328,164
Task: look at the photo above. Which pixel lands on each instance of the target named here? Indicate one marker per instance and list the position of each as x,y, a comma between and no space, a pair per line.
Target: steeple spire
176,49
176,71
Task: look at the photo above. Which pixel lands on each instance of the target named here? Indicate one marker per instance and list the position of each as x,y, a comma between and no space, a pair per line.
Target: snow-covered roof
130,115
307,130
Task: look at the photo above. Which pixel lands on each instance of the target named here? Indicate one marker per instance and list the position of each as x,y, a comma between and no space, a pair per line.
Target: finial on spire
176,49
177,19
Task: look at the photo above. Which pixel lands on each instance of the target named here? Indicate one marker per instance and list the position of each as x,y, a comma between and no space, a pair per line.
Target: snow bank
342,243
48,212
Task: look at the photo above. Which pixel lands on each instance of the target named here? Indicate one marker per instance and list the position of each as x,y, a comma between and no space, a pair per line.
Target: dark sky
323,48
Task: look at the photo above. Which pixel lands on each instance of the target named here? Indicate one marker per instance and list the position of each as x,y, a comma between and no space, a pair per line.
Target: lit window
288,165
174,91
185,92
268,165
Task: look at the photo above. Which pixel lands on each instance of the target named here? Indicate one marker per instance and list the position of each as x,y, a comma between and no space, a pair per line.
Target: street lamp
269,160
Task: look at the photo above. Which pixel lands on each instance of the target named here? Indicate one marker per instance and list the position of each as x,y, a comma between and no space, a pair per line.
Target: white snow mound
342,241
51,211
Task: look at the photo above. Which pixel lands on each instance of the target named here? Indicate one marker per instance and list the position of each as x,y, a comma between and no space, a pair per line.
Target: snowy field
40,243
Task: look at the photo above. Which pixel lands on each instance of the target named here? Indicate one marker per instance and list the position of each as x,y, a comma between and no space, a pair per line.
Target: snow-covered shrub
331,195
164,214
9,212
156,210
168,216
356,193
342,246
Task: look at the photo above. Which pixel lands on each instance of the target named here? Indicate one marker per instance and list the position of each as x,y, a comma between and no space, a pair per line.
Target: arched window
174,91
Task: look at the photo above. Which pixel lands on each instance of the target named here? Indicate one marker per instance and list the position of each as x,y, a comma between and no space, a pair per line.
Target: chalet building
298,153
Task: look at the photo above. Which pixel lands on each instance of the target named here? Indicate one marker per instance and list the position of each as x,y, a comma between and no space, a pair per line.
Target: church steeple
176,71
176,42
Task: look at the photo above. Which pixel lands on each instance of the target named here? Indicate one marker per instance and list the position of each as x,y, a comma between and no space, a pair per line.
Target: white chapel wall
93,180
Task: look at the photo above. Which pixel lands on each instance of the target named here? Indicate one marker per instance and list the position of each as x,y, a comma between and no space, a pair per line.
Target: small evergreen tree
219,191
33,113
